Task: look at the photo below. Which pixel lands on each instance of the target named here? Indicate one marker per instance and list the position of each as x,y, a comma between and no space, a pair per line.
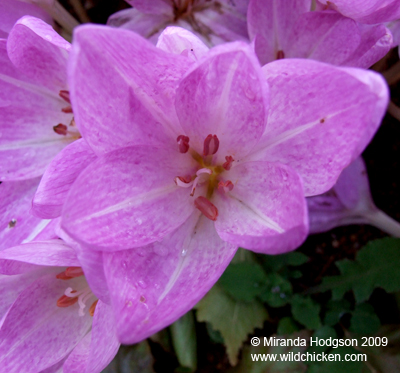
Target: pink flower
349,202
290,30
215,22
199,152
36,120
50,318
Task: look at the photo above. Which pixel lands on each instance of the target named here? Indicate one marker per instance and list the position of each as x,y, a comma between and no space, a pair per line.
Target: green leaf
376,265
306,311
234,320
287,326
136,358
322,333
275,263
337,366
183,334
364,320
243,281
214,335
277,291
335,310
247,365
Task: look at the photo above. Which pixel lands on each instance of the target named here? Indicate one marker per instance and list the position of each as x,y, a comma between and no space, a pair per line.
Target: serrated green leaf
247,365
277,290
234,320
214,335
274,263
335,310
243,281
287,326
323,333
306,311
136,358
364,320
377,265
183,334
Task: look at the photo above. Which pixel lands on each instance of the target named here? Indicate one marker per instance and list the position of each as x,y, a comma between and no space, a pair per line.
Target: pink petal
153,286
226,96
118,77
38,51
58,178
104,344
270,23
44,253
76,362
324,36
376,42
28,113
11,11
128,198
36,333
177,40
266,210
367,11
153,6
148,25
17,222
317,109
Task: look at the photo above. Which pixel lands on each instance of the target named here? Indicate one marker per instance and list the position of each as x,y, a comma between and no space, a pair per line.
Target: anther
93,307
67,109
183,143
280,55
226,186
63,276
211,145
61,129
206,207
65,301
74,272
64,95
228,164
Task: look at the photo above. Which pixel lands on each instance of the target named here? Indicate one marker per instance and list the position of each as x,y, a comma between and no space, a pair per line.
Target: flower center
62,129
208,174
80,296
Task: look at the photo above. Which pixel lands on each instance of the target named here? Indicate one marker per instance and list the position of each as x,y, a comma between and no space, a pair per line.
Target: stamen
206,207
93,307
67,109
226,186
211,145
64,95
228,164
183,143
74,272
63,276
280,55
61,129
183,181
200,178
66,301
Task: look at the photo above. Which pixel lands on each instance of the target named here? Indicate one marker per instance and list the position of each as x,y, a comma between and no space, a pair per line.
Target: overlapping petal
266,211
36,333
128,198
315,110
225,95
152,286
58,178
36,49
138,103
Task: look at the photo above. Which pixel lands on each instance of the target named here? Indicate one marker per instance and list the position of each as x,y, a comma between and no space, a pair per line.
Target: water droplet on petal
184,252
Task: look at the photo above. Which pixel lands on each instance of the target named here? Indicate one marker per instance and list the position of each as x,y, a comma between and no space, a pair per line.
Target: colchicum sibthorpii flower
197,152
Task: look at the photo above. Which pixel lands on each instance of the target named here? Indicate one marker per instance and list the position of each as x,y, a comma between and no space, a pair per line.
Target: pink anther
61,129
225,186
211,145
228,164
206,208
64,95
183,181
183,143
